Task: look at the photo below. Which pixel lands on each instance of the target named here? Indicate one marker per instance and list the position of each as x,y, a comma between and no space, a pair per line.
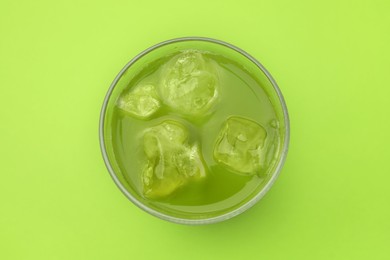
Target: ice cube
142,101
189,83
239,145
171,160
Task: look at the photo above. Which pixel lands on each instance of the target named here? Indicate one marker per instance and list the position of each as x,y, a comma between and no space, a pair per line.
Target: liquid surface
226,128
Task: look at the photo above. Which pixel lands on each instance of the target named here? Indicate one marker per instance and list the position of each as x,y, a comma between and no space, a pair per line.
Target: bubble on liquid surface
274,123
239,145
171,161
189,83
142,101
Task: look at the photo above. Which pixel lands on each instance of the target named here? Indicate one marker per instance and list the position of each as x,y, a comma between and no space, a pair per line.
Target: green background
331,60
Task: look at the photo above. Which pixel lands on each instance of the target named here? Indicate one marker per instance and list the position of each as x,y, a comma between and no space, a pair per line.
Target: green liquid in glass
223,189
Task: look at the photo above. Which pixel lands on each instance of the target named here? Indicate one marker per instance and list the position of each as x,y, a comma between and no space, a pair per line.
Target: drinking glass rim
229,214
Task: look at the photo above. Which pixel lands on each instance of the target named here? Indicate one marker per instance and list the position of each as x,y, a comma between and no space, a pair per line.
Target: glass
251,71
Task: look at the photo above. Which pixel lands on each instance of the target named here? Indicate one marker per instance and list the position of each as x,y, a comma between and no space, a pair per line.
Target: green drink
194,131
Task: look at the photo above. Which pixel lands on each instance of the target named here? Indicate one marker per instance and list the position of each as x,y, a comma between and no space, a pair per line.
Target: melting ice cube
239,145
189,83
171,161
140,102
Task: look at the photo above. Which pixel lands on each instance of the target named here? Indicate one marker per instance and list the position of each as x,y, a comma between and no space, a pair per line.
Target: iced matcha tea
193,134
